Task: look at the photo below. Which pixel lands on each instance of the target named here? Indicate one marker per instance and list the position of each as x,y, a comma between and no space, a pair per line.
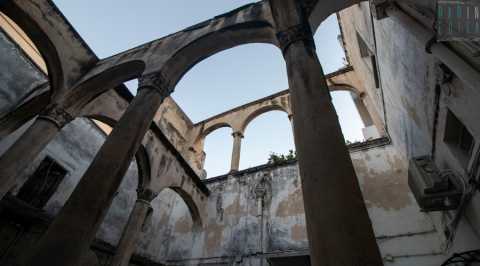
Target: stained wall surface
75,147
416,93
258,213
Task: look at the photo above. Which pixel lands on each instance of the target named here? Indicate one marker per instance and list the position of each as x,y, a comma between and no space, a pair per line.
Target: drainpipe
441,51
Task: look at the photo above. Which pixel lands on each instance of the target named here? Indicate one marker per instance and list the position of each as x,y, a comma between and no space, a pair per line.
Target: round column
237,146
74,228
127,244
339,229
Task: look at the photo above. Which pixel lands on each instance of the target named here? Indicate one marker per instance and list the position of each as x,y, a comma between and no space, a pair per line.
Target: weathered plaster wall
258,213
24,76
176,126
74,149
76,145
409,77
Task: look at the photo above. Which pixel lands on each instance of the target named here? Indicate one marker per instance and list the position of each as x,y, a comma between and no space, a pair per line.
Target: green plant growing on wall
281,158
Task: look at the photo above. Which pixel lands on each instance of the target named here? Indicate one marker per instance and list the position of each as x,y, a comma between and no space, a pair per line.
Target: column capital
295,33
146,195
156,81
237,134
57,115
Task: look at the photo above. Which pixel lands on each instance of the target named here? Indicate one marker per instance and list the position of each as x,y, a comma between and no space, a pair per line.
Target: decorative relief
297,33
262,189
56,114
156,81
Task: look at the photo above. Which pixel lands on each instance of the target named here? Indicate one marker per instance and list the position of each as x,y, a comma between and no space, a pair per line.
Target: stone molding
293,34
237,134
155,81
57,115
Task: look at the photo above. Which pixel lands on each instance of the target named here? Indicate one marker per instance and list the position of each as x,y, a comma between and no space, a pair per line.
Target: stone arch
198,145
264,109
172,56
192,207
41,40
320,10
66,54
195,200
23,113
358,100
141,156
199,140
210,129
87,90
190,55
343,87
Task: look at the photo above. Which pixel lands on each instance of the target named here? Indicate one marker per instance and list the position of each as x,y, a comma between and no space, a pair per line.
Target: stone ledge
354,147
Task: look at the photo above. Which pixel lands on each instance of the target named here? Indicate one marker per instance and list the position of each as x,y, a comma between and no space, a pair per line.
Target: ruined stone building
92,175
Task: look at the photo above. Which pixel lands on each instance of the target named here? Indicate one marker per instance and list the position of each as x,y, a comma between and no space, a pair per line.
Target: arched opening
332,56
170,222
18,35
218,151
267,133
159,18
228,79
329,47
219,85
348,115
23,72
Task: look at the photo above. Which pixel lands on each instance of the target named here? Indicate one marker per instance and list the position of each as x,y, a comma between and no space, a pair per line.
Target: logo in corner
458,20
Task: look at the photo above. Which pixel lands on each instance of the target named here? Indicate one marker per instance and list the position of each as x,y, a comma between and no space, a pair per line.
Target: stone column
127,244
237,145
74,228
339,229
30,144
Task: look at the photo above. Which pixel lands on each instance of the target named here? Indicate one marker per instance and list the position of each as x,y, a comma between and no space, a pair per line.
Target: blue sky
221,82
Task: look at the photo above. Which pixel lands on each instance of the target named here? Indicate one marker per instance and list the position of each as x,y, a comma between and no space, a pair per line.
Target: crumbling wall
258,213
416,93
174,123
75,147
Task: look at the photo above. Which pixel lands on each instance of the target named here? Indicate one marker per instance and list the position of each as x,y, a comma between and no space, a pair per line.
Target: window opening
459,139
41,186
